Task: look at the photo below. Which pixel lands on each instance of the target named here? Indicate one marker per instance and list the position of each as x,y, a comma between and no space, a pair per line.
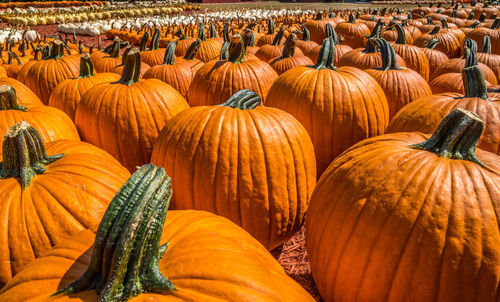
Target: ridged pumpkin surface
254,166
70,196
25,97
208,259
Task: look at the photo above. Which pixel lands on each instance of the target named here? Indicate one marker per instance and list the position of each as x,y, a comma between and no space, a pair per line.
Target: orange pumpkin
273,50
269,146
154,55
337,106
288,59
436,58
43,76
414,57
25,97
217,80
317,28
354,33
125,117
209,49
68,93
47,198
365,58
405,217
208,258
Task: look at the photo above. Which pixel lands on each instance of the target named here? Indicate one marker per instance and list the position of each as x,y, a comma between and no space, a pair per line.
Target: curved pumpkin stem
224,55
132,68
155,40
401,34
8,99
201,32
278,37
456,137
435,30
24,154
377,29
236,49
326,55
330,32
470,56
144,41
270,27
289,46
496,24
243,99
306,35
388,55
170,53
126,252
370,46
486,45
192,50
248,38
474,84
86,66
432,44
352,19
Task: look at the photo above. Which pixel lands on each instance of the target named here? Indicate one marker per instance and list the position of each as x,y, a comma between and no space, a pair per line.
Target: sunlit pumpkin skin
217,80
53,124
340,49
208,258
124,118
209,49
457,65
288,59
449,82
260,141
3,72
448,43
414,57
25,97
177,73
317,96
42,77
68,93
493,32
317,28
275,49
154,55
70,195
405,224
424,114
354,33
105,61
305,43
365,58
436,58
400,85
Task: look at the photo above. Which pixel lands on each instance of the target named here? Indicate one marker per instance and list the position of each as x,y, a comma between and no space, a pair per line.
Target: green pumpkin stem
212,31
24,154
192,50
482,17
470,52
86,66
352,19
201,32
435,30
486,45
432,44
115,50
8,99
471,16
388,54
248,38
169,58
474,84
270,27
144,41
127,250
370,46
401,34
475,24
326,55
236,49
306,35
496,24
330,32
56,51
279,36
243,99
132,68
456,137
377,29
155,40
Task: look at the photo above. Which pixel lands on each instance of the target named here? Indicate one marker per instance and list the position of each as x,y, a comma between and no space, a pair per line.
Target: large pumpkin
425,114
68,93
252,164
400,85
364,58
414,57
337,106
205,257
154,55
355,33
401,218
42,77
209,49
47,197
217,80
125,117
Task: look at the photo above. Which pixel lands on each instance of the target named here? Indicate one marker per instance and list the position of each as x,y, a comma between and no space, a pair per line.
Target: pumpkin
435,57
154,55
457,64
53,124
249,40
340,49
317,28
25,97
414,57
50,192
125,117
270,37
409,218
209,49
105,61
183,43
68,93
365,58
391,34
118,69
43,76
337,106
3,72
400,85
450,82
288,59
354,33
425,114
489,59
268,145
217,80
305,43
448,43
205,257
493,32
275,49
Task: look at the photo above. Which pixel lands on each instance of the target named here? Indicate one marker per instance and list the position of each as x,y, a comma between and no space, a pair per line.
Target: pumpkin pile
175,163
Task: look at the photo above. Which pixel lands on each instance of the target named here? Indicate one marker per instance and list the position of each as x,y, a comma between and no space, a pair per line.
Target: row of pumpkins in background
388,219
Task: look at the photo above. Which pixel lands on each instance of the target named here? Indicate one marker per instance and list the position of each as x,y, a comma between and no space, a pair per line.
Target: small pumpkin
414,57
288,59
436,58
154,55
354,32
273,50
209,48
